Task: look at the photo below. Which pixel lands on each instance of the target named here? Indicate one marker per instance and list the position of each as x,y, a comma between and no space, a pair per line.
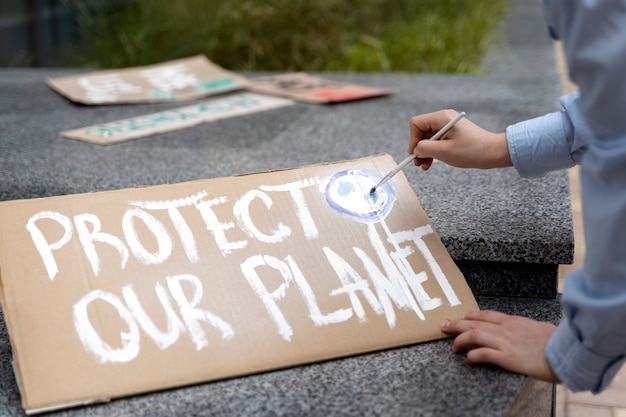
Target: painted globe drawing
348,192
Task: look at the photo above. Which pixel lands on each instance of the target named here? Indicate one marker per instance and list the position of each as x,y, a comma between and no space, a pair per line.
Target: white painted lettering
191,315
393,284
416,236
183,230
43,247
297,197
88,237
218,228
241,210
175,327
163,238
269,299
316,315
352,283
92,341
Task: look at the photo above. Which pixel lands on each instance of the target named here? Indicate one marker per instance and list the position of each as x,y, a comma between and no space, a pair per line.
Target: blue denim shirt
589,346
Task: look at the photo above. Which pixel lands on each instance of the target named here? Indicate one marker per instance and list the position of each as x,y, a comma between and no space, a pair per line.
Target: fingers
513,343
486,355
475,329
486,315
426,125
465,145
473,319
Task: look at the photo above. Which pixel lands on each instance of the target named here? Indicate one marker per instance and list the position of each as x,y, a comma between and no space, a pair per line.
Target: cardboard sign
181,79
208,111
121,292
304,87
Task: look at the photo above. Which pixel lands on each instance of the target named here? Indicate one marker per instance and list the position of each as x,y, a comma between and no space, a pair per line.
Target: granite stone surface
507,234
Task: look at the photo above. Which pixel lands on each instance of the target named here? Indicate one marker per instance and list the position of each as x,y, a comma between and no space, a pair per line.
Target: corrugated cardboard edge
33,411
17,372
9,327
57,407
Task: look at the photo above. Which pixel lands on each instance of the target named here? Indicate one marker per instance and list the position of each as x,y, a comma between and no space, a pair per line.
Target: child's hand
465,145
513,343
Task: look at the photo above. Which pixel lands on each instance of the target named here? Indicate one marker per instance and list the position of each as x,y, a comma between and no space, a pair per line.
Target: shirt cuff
576,366
539,145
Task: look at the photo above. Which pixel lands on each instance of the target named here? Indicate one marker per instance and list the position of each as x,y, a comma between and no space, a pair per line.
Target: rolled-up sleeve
551,142
536,146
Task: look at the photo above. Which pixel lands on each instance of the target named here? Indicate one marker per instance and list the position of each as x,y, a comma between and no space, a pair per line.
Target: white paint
163,238
315,314
167,204
43,247
289,271
269,299
416,236
88,237
88,227
106,88
241,210
183,230
217,228
169,77
174,326
392,285
415,280
92,341
134,316
352,283
185,235
297,197
192,316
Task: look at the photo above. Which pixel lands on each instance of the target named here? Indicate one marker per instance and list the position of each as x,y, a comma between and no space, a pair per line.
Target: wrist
501,158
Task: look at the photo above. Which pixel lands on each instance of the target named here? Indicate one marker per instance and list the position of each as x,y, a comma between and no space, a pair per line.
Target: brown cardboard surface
121,292
181,79
305,87
178,118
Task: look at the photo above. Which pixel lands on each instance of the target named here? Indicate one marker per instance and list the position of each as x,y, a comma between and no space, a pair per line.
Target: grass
290,35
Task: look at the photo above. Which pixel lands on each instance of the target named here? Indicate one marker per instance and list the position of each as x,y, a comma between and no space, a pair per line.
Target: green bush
290,35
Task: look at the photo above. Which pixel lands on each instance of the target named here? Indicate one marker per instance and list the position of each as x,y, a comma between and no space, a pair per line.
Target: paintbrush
404,163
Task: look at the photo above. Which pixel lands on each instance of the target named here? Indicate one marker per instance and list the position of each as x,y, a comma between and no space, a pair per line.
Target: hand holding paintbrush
404,163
